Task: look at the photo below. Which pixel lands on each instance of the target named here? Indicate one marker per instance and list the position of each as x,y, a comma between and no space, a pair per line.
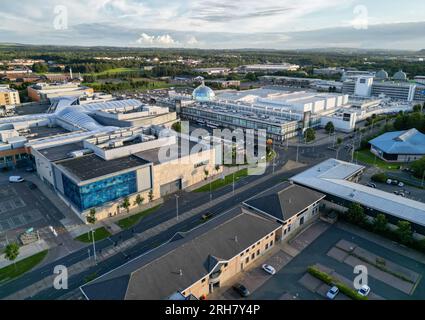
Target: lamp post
94,246
177,206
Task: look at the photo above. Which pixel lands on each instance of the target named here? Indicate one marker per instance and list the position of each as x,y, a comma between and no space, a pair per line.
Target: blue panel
100,192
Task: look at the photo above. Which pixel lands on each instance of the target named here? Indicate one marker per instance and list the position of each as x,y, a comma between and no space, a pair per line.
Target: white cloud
161,40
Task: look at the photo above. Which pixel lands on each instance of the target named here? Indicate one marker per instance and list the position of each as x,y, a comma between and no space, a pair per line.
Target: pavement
25,252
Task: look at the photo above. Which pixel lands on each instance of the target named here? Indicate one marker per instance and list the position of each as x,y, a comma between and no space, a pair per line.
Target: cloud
161,40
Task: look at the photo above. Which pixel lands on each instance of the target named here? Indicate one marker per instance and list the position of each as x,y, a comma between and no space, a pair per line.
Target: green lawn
15,270
99,234
219,183
365,156
135,218
114,71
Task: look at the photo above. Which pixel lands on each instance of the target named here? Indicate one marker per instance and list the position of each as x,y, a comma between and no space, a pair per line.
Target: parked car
389,181
394,182
402,194
269,269
30,169
207,216
401,184
372,185
332,293
396,192
364,291
16,179
241,289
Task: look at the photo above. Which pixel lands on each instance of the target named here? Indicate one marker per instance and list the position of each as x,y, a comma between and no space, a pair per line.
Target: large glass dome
400,76
203,93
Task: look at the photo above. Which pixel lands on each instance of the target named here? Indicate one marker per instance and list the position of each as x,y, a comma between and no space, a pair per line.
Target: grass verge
15,270
219,183
135,218
99,234
367,157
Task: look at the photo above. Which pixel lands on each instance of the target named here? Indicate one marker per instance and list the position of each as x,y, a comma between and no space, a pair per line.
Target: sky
217,24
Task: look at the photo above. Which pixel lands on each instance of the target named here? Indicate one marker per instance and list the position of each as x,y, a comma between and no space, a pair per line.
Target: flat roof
46,131
92,166
284,200
60,152
333,182
152,155
183,261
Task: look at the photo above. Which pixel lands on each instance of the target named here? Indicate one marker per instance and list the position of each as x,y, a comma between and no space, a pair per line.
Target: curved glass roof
79,119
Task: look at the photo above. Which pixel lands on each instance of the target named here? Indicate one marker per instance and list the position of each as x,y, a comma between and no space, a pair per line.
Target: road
187,202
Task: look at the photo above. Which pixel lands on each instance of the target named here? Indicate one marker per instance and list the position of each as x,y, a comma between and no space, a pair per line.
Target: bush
380,177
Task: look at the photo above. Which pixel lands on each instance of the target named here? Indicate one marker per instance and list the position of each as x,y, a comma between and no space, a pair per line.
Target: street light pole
177,206
94,246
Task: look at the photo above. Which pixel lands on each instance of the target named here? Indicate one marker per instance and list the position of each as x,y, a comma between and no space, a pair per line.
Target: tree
418,168
310,135
139,200
379,177
339,141
91,217
177,126
206,173
380,223
355,214
404,232
126,204
150,195
330,128
11,252
40,67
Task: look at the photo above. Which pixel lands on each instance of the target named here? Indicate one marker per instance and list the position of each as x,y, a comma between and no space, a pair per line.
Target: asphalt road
187,202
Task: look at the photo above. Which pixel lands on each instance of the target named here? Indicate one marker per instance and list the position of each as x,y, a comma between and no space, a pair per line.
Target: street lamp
94,246
177,206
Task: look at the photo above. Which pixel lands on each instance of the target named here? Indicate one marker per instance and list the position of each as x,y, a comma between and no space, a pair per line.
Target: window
258,252
253,256
203,280
241,254
247,260
271,243
267,246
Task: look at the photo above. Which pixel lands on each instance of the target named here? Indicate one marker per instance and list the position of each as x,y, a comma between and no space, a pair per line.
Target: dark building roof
185,260
60,152
92,166
152,155
284,200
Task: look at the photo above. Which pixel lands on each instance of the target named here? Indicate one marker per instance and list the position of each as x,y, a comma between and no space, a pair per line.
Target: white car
364,291
332,293
269,269
389,181
401,184
16,179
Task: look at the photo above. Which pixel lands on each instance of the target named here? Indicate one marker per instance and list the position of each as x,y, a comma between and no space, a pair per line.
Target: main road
187,202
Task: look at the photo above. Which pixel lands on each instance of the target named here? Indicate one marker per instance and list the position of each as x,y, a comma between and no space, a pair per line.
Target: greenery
91,217
22,266
99,234
126,204
11,251
404,232
150,195
367,157
128,222
380,223
405,121
379,177
219,183
177,126
355,214
330,128
328,279
418,168
310,135
139,200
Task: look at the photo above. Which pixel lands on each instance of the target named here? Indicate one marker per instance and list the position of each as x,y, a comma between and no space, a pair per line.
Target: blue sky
217,23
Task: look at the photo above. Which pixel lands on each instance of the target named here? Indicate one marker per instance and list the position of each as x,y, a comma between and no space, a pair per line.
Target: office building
269,68
338,180
399,146
8,97
46,92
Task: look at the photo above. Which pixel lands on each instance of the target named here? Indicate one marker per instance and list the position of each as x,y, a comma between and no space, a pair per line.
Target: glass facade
100,192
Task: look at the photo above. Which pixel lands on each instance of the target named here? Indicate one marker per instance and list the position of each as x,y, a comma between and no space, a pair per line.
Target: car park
332,293
364,291
269,269
241,289
16,179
